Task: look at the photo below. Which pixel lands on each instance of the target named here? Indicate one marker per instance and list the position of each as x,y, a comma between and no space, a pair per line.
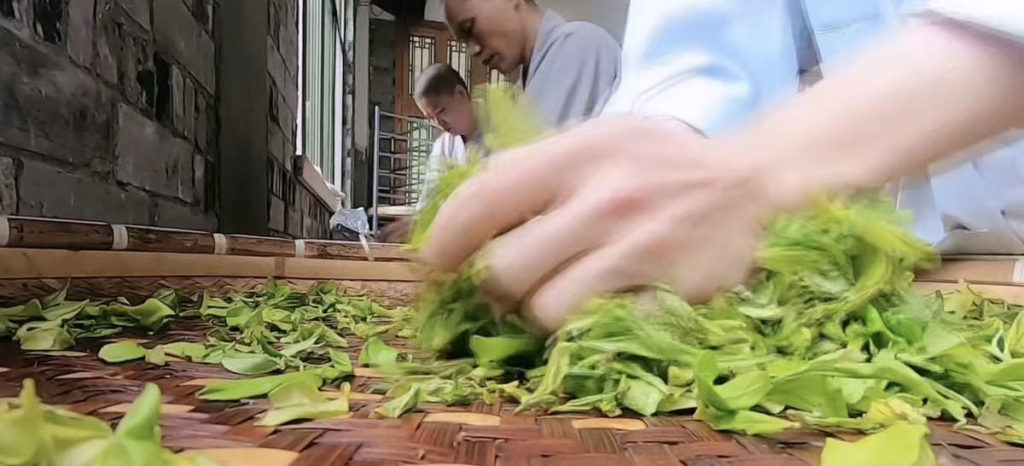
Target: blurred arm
928,92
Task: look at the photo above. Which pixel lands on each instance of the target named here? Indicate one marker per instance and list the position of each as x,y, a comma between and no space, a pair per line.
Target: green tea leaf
121,352
677,399
249,363
56,298
300,347
557,368
400,405
44,336
142,422
321,410
156,356
490,350
640,396
377,353
899,445
22,440
230,390
341,363
192,351
30,310
64,310
301,399
298,391
150,314
214,307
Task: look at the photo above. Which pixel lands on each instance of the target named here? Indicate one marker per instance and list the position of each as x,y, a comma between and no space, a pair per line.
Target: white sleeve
435,165
1004,17
711,63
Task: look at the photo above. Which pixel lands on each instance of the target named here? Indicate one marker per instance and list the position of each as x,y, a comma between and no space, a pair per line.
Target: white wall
434,11
609,14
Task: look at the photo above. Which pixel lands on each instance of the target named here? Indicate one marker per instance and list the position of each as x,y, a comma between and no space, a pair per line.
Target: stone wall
292,209
108,110
383,34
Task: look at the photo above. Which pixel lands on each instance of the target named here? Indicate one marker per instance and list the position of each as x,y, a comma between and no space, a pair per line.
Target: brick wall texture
108,110
293,211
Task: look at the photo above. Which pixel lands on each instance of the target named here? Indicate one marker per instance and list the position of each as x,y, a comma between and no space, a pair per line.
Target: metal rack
401,147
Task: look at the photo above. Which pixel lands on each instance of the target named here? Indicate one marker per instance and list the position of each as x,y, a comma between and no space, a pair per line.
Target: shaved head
501,33
443,97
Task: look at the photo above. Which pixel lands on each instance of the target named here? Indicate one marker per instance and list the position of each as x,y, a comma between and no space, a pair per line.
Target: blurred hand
621,203
612,205
397,231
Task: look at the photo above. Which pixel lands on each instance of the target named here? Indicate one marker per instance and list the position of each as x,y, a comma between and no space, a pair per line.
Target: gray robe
573,71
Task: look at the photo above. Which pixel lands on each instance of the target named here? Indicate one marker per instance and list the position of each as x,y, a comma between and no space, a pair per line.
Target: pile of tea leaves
826,333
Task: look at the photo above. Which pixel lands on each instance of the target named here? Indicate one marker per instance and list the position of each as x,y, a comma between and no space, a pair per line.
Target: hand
612,205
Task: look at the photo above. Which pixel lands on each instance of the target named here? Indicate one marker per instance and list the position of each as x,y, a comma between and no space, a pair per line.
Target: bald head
443,97
501,33
439,80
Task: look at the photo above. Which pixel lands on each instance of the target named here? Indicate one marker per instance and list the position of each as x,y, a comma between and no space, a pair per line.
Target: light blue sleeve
714,64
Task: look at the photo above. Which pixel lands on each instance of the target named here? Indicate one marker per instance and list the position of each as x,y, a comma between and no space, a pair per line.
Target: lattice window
421,55
460,59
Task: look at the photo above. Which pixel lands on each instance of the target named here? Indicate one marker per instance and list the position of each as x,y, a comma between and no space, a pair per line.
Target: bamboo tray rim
17,263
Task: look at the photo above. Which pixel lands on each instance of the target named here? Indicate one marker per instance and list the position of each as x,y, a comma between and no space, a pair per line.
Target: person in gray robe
568,69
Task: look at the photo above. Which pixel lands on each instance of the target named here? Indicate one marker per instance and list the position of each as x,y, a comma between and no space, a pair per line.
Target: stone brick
108,42
187,41
173,214
289,46
294,223
203,122
286,119
50,106
291,96
276,214
199,180
184,120
138,10
188,120
177,98
382,65
8,187
47,191
275,143
81,24
151,158
276,66
135,71
274,14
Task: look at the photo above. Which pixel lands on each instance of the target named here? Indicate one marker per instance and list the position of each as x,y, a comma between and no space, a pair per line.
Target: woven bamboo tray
479,434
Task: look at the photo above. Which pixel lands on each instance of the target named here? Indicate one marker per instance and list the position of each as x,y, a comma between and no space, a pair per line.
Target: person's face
453,113
492,27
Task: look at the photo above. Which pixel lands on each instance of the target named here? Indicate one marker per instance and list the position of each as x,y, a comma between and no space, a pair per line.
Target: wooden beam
57,263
